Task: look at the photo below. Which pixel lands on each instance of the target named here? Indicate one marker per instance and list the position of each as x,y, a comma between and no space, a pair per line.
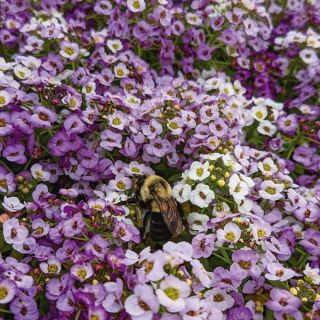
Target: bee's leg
146,219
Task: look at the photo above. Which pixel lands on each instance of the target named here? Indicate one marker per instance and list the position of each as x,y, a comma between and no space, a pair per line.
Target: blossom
136,5
13,232
312,274
69,50
270,190
202,195
82,271
199,171
142,304
283,301
277,271
181,192
12,204
52,266
8,290
197,222
219,299
230,233
172,293
38,172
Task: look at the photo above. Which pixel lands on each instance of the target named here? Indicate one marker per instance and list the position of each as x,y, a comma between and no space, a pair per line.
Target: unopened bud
294,291
213,177
221,183
227,174
189,282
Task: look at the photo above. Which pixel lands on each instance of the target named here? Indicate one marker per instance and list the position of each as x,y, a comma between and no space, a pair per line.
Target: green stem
3,164
221,258
4,311
77,317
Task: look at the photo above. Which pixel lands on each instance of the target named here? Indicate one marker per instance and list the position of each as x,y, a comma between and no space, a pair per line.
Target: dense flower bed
221,98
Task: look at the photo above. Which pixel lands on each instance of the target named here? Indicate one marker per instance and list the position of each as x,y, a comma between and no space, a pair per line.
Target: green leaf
269,314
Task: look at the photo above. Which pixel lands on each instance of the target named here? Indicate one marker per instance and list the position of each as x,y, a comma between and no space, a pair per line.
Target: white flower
89,88
136,5
231,162
38,172
267,167
202,196
52,266
197,222
69,50
193,18
120,70
172,293
181,192
267,128
219,298
114,45
5,98
270,190
22,72
199,171
12,204
312,274
259,112
260,230
308,56
231,233
4,65
238,188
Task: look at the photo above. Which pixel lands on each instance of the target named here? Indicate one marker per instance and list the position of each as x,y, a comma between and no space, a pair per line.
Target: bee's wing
171,216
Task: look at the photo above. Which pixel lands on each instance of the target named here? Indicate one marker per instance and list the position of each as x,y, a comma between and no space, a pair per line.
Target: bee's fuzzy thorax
160,185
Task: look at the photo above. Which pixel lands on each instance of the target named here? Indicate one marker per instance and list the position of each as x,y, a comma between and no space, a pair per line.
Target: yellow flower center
121,185
271,190
173,125
199,172
69,51
120,73
116,121
261,233
230,236
172,293
3,292
266,167
52,268
82,273
39,230
2,100
136,5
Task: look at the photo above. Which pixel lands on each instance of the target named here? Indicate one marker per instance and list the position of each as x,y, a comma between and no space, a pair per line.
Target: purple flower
81,272
73,226
143,303
13,232
5,124
7,291
24,307
203,245
43,117
97,246
73,124
239,313
245,263
283,301
311,241
126,232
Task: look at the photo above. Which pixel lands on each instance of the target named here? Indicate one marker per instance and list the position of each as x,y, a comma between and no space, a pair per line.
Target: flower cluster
218,97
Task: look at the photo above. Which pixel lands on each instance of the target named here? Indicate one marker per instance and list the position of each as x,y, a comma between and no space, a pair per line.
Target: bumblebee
164,216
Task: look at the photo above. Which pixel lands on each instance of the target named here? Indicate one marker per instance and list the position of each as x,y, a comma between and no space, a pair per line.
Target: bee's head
155,185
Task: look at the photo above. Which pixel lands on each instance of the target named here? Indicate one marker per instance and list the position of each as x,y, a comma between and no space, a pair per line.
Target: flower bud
294,291
221,183
213,177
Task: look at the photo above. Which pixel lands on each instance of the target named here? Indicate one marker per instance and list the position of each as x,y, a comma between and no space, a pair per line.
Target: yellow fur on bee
160,185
